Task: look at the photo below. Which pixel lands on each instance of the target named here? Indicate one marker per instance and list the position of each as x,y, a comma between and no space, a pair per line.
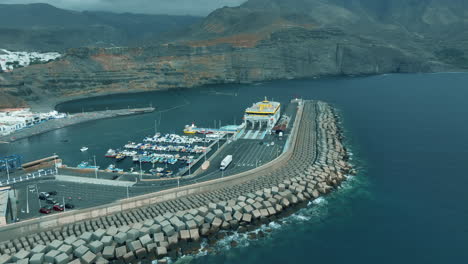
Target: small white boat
84,149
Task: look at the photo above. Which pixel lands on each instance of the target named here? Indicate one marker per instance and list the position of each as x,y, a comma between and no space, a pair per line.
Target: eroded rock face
293,53
261,40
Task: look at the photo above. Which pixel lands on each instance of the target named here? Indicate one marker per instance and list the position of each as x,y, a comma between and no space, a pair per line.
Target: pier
160,224
72,120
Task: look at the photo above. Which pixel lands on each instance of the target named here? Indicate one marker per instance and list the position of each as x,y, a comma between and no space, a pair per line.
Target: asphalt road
247,154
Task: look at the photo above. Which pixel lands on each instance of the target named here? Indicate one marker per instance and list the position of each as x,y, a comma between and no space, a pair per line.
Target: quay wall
165,223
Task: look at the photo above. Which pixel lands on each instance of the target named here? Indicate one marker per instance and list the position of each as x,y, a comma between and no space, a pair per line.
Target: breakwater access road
70,120
172,222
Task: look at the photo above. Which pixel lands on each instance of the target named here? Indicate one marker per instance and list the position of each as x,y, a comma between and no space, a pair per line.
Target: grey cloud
173,7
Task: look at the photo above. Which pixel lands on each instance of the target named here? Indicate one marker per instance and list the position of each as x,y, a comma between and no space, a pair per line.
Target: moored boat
190,129
204,132
110,153
119,157
85,165
112,168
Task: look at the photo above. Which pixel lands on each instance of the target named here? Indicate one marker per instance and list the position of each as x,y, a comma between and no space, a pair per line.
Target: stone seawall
156,225
72,120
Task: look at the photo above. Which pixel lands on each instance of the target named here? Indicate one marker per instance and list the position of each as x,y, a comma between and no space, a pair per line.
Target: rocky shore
317,164
71,120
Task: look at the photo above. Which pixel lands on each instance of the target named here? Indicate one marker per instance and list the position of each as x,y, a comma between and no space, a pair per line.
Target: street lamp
204,145
141,172
27,199
8,172
55,163
95,166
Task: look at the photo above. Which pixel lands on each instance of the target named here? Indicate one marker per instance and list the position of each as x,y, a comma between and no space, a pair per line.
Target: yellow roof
264,107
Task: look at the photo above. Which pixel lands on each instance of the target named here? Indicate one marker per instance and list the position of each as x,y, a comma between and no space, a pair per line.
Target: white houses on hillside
13,119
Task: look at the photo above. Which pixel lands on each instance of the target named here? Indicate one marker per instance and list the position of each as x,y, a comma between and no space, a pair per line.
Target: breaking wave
316,213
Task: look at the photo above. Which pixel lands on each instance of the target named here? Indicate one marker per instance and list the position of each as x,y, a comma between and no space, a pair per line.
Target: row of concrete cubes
262,197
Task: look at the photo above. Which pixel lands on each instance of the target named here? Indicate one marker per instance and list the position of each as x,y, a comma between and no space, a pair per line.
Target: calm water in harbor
409,136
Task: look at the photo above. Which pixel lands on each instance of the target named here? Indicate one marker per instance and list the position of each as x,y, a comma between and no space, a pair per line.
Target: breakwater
71,120
172,221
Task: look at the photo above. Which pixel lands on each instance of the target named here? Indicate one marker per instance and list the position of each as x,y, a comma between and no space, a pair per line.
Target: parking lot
81,195
247,154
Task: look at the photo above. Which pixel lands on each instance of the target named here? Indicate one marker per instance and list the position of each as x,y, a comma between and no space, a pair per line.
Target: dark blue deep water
409,136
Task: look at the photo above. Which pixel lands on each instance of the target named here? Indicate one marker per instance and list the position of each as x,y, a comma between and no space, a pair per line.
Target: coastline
51,104
71,120
315,166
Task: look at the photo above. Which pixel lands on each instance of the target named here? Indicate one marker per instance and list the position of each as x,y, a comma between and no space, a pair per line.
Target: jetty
165,223
70,120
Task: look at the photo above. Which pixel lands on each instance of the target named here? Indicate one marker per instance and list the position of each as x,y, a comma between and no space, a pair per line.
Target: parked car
45,210
69,206
43,195
53,193
58,207
50,201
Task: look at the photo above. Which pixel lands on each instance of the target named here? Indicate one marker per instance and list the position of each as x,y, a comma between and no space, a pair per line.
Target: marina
352,207
169,155
172,155
163,160
189,212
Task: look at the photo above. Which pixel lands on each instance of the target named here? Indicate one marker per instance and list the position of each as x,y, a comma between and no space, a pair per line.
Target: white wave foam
319,200
274,225
300,217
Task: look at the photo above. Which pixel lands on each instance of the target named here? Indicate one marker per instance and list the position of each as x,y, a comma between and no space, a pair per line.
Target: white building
13,119
8,128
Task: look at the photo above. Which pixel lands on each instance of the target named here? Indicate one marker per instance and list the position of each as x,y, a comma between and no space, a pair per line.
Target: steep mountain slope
42,27
265,40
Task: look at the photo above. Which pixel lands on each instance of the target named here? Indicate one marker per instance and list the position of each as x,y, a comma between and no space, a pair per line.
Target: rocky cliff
260,40
42,27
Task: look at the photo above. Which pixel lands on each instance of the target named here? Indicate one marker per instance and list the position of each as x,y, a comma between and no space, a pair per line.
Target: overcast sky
173,7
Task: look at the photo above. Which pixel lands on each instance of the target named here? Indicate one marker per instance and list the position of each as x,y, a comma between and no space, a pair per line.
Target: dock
313,165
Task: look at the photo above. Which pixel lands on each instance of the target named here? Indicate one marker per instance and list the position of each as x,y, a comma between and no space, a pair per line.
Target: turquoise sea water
409,137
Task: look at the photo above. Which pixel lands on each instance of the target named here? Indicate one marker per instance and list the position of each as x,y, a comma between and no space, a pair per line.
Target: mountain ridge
43,27
263,40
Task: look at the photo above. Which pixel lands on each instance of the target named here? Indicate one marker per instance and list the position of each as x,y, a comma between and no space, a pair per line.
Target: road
247,154
79,194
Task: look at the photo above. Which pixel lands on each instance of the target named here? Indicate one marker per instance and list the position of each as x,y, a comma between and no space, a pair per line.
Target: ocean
409,139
